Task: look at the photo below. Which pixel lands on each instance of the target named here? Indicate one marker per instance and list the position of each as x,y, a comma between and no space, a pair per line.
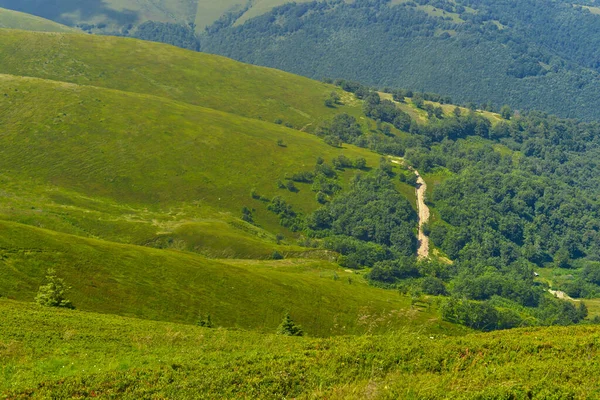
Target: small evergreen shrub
289,328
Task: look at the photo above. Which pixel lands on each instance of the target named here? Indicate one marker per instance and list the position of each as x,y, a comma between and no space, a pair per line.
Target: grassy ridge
161,70
175,286
182,162
18,20
53,353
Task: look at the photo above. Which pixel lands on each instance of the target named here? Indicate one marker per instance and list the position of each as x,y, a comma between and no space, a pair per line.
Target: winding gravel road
423,211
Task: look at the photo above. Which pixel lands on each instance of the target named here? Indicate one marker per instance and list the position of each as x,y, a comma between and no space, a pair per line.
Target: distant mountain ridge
117,15
533,54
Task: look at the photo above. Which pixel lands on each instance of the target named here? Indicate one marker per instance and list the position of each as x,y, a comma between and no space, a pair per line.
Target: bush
341,162
305,176
247,215
391,270
321,198
291,187
205,321
276,255
360,163
477,315
433,286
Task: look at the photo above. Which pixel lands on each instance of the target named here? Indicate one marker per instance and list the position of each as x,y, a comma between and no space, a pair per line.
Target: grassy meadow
177,286
143,165
49,353
172,73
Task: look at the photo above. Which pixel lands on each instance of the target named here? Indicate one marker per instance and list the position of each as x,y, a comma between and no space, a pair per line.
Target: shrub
247,215
205,321
360,163
341,162
291,187
321,198
276,255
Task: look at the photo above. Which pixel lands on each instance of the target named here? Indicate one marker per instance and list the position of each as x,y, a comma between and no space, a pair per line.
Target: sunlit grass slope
175,286
64,354
130,155
152,68
18,20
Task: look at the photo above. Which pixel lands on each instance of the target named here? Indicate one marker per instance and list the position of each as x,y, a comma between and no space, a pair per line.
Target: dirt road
423,211
423,251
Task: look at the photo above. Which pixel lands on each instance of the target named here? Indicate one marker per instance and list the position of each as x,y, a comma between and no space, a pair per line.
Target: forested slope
531,55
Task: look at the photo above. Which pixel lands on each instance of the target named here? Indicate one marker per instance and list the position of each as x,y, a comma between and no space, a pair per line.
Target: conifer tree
289,328
53,293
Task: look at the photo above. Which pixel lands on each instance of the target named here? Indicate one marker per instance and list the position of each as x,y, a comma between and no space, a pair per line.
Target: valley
178,224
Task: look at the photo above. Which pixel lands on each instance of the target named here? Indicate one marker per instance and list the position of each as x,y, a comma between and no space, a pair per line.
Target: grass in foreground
47,353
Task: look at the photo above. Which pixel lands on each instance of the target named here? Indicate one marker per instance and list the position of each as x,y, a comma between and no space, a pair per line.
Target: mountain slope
549,63
116,154
174,286
17,20
151,68
537,54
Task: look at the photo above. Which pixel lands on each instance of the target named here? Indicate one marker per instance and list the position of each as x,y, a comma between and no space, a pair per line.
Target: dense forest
177,35
517,53
518,195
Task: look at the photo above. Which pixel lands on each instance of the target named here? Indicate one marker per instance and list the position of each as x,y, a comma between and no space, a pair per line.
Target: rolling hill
199,79
17,20
175,286
127,192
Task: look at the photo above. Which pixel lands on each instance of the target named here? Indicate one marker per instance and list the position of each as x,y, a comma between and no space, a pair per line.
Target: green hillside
174,286
147,165
17,20
65,354
168,185
199,79
540,54
209,160
136,168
